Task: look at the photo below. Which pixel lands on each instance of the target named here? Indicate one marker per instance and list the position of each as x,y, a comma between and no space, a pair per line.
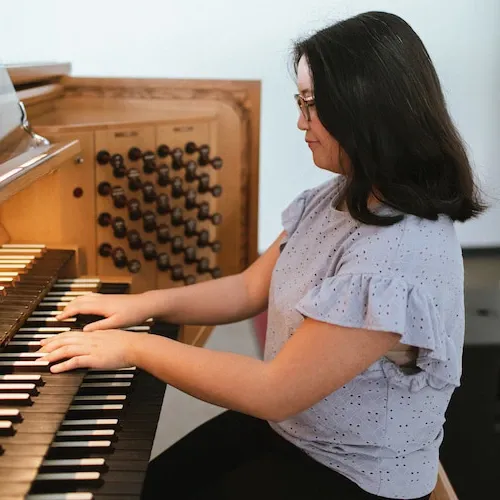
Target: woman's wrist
153,304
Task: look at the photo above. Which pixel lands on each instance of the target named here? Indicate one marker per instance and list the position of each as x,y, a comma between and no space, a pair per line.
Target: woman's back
383,428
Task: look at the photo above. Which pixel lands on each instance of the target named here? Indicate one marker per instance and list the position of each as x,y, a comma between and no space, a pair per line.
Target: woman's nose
302,123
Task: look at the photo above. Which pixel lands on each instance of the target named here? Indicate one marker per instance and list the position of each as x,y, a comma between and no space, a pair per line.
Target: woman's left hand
102,349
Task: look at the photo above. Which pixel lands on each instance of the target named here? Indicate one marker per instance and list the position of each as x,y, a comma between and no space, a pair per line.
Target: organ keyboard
85,434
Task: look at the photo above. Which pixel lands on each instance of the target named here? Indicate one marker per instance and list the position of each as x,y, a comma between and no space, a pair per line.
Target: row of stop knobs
117,163
163,235
121,261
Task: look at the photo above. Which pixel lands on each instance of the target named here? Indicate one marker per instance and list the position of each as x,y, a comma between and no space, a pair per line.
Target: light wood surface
116,114
443,490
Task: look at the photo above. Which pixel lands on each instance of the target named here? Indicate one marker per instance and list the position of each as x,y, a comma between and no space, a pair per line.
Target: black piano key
88,434
6,428
24,366
105,387
14,415
79,449
10,399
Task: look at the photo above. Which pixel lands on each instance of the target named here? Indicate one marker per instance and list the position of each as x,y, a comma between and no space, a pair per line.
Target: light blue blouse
382,429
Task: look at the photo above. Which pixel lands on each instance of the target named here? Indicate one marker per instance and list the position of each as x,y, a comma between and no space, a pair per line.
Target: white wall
252,40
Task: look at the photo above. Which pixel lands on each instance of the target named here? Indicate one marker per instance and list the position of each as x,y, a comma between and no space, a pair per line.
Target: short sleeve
387,304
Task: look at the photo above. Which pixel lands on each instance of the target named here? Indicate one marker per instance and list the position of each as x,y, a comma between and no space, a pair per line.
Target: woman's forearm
213,302
224,379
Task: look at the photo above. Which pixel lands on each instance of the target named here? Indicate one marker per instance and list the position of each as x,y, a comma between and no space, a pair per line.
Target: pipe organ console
111,186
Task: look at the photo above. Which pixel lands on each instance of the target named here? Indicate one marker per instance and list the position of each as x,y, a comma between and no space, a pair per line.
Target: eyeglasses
304,104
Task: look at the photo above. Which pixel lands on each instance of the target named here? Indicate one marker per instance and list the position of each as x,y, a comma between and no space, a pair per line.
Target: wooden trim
43,93
27,169
25,74
443,490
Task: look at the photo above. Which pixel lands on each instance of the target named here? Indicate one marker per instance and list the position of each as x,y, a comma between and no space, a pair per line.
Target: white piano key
103,407
79,280
13,266
36,246
40,365
25,344
104,397
71,286
17,387
106,385
6,427
53,304
137,328
74,462
18,251
36,379
67,294
10,413
90,422
68,476
44,329
8,274
45,313
81,444
91,433
49,319
111,376
33,336
15,398
61,496
19,355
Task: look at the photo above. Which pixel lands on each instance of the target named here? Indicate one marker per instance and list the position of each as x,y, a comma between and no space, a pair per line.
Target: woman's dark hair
377,93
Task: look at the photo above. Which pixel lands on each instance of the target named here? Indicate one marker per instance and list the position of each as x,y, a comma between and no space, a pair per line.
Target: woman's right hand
119,311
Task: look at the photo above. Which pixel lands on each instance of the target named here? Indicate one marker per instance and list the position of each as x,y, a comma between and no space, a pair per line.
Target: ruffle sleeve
389,304
292,214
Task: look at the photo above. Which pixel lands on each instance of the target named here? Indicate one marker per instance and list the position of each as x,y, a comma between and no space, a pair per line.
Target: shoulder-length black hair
377,93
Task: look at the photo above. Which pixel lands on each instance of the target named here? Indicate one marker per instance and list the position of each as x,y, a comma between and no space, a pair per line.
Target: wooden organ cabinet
109,186
160,187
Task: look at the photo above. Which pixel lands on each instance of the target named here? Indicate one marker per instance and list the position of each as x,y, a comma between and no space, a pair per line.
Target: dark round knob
104,219
163,204
190,227
134,239
203,265
216,191
203,183
105,250
163,233
149,162
216,272
190,280
190,255
177,272
118,165
191,167
177,244
176,216
134,266
134,209
119,257
134,154
163,175
119,227
190,148
103,157
177,155
190,199
216,246
119,198
204,155
163,151
116,160
216,219
149,250
204,211
203,238
216,162
177,190
163,261
134,179
149,221
104,188
148,192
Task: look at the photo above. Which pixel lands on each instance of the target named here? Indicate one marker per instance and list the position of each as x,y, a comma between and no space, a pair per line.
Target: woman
364,289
